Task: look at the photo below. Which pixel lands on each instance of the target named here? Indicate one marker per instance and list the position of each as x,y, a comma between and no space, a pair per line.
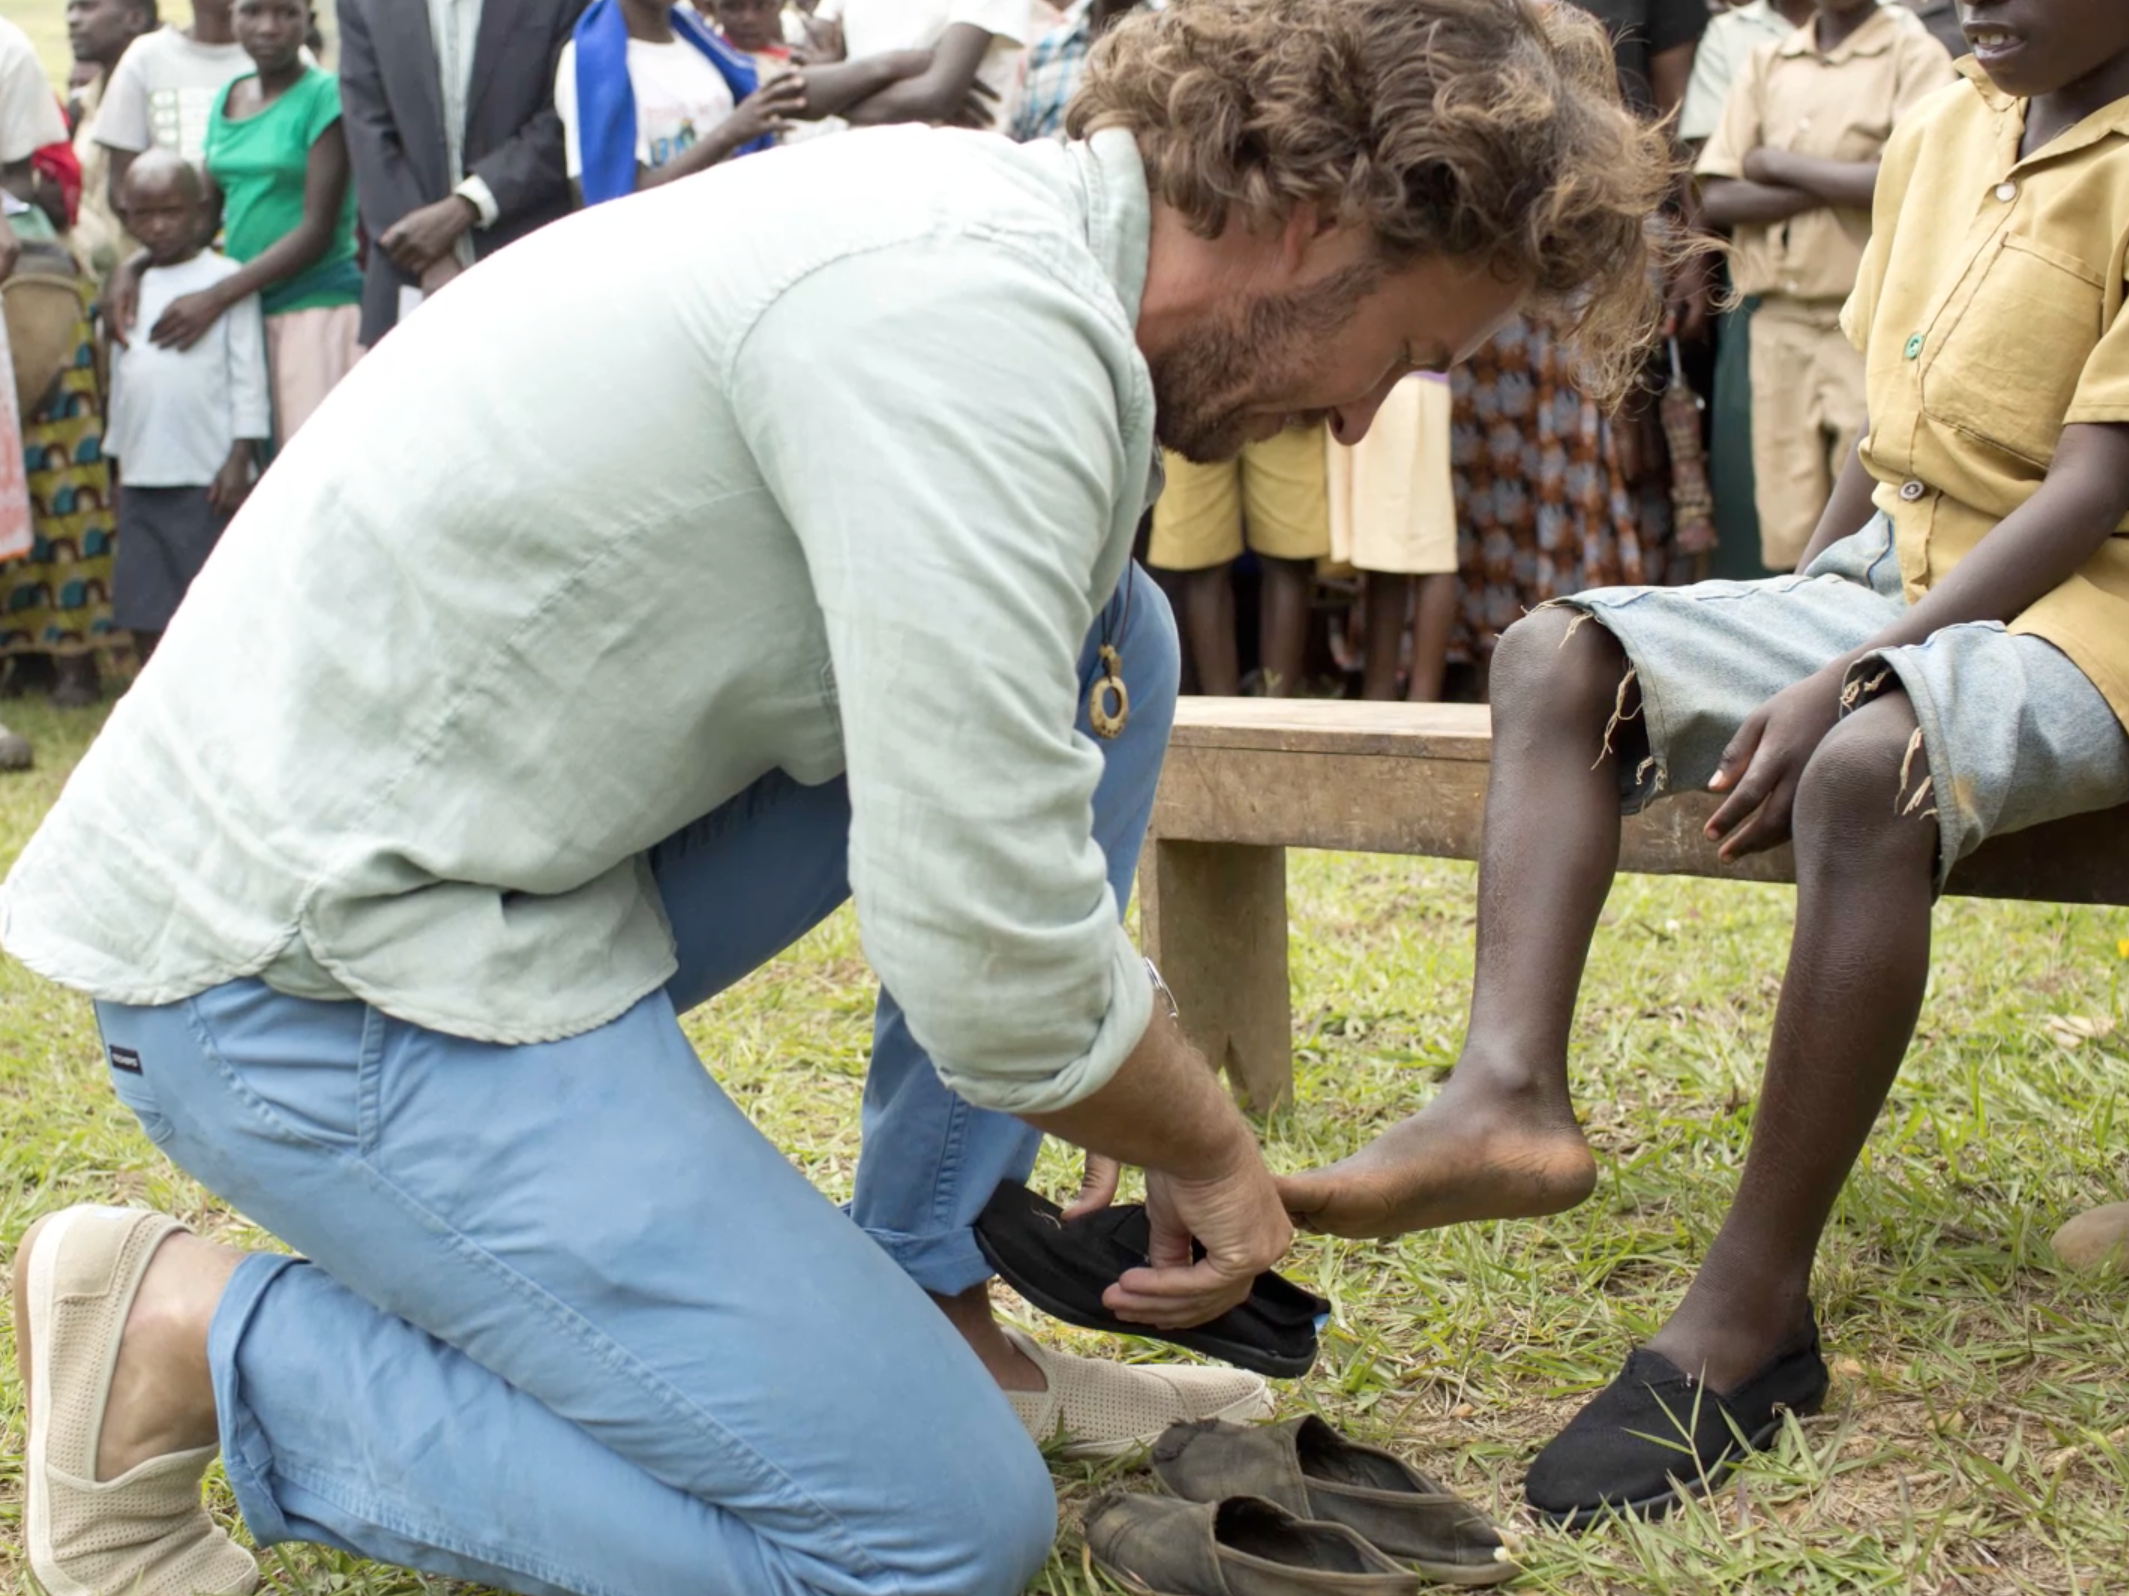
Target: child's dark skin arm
1729,202
1779,184
834,88
766,110
187,320
1849,185
940,93
2029,554
232,484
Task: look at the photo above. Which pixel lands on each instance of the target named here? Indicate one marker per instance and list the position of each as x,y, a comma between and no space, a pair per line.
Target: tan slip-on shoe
1105,1410
145,1533
1244,1546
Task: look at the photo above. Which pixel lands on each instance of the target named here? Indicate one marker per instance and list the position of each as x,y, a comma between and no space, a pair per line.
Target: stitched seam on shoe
595,1343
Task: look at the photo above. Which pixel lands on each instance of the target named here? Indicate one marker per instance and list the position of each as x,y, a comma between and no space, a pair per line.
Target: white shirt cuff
476,189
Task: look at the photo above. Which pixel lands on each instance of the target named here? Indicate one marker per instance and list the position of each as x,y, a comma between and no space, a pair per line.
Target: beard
1211,387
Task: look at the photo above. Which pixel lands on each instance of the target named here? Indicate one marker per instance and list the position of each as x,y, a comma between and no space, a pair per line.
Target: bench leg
1213,918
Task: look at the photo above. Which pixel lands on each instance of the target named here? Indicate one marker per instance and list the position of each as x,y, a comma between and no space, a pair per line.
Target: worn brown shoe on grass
1240,1547
1313,1472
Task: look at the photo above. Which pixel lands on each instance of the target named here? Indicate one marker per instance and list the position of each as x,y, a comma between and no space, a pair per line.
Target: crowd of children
1479,495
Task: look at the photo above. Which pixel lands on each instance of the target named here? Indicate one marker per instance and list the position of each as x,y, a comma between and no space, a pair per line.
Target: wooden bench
1248,778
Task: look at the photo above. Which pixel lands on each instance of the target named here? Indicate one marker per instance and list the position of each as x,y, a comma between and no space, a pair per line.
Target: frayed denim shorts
2013,732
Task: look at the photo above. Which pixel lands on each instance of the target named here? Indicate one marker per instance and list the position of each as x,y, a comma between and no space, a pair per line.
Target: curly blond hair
1475,129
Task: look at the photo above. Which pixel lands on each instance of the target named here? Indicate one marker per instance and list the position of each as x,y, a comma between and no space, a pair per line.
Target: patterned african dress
57,599
1544,507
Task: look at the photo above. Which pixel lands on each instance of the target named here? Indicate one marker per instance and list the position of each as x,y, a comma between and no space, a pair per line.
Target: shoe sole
1581,1518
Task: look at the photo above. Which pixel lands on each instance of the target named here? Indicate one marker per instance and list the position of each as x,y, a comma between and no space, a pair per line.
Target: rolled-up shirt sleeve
943,433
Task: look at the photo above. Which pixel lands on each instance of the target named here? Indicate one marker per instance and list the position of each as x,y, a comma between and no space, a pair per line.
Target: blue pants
565,1321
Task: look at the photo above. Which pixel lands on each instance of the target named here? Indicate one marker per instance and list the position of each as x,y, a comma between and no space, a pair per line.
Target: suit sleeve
386,188
527,171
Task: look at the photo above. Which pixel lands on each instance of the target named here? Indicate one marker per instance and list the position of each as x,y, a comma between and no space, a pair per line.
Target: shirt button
1911,490
1914,346
2007,192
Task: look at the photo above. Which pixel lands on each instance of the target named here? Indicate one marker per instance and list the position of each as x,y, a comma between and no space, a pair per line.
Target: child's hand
1765,761
980,109
187,320
768,109
232,484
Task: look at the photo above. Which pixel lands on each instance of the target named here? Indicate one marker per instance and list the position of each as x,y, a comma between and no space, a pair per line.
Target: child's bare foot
1467,1155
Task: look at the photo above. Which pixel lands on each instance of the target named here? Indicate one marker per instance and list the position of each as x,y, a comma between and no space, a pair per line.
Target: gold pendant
1107,722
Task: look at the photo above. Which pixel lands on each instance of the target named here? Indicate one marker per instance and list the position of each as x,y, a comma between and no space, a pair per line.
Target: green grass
1977,1439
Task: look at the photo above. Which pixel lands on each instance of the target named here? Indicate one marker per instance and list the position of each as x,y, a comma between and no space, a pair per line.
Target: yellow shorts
1275,497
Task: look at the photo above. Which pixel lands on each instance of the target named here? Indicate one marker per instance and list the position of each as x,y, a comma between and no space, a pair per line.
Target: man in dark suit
449,112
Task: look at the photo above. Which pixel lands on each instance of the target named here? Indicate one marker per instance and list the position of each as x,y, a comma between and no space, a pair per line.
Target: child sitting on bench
1951,663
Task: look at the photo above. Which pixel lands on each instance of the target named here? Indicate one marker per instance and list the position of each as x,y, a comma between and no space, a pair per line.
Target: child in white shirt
186,425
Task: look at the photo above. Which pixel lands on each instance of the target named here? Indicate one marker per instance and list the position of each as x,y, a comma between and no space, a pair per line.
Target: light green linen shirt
823,461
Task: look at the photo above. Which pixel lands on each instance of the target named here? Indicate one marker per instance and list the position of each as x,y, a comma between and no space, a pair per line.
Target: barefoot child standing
1956,669
186,424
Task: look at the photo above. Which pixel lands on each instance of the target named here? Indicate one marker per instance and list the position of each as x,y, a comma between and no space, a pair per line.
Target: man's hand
1765,761
1165,1111
439,272
186,321
1237,1217
419,238
232,484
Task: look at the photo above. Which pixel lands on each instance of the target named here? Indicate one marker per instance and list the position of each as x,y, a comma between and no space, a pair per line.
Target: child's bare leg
1283,616
1857,966
1386,597
1209,630
1500,1140
1436,619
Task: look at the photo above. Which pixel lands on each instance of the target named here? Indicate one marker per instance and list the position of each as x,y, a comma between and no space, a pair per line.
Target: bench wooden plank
1246,779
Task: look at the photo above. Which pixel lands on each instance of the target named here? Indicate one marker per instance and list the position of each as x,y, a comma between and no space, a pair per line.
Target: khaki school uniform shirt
1839,105
1989,310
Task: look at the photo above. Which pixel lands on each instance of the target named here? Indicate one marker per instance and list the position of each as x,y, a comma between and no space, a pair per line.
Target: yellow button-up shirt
1841,105
1989,310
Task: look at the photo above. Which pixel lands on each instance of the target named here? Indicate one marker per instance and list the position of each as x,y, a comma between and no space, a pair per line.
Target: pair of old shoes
1293,1509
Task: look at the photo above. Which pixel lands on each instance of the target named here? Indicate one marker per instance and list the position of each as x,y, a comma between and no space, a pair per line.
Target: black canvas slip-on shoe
1063,1266
1239,1547
1313,1472
1656,1435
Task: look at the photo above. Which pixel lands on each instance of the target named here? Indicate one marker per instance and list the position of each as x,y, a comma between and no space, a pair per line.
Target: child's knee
1870,782
1556,662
